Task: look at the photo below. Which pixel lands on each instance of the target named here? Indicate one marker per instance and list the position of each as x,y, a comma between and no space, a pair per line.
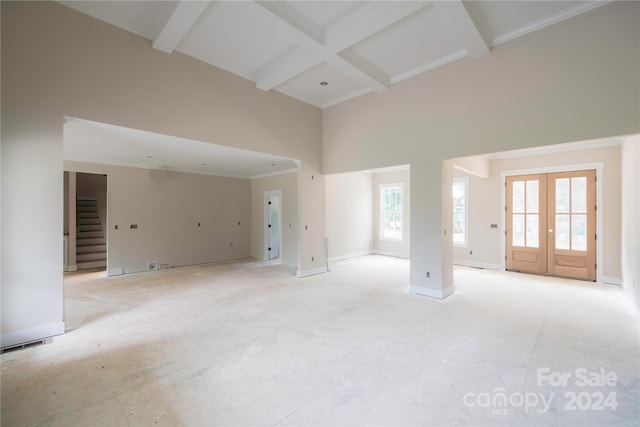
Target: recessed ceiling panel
226,37
411,43
307,86
326,13
507,16
144,18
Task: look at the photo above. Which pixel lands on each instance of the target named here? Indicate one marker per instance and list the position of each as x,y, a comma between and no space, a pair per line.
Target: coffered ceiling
355,47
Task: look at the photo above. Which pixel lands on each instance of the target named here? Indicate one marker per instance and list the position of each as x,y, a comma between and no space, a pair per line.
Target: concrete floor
246,343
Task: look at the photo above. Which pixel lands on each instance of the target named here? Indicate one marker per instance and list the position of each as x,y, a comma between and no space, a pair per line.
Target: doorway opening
85,221
550,223
272,225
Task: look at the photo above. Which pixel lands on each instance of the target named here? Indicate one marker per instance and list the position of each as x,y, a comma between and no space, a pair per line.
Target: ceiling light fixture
205,164
323,83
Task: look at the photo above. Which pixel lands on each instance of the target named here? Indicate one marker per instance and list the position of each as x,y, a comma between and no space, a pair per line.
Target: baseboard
612,280
30,335
348,256
306,273
115,271
70,268
477,264
391,253
433,293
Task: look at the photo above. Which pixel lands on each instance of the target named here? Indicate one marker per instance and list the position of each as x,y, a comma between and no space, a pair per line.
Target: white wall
312,257
288,185
574,81
630,223
167,208
349,215
57,62
391,247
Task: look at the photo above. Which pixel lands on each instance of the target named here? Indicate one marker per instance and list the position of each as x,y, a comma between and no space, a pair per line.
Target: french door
551,224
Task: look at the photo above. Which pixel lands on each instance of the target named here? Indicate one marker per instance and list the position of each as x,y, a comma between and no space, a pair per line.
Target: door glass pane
518,230
562,232
562,196
579,232
518,196
579,194
533,231
532,197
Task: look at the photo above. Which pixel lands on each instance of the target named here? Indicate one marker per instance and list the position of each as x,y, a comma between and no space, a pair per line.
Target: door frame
266,195
599,166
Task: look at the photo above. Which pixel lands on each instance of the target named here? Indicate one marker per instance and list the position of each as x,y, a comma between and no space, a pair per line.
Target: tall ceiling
356,47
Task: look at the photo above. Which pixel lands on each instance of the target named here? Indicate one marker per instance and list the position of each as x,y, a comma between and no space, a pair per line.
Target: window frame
464,180
381,235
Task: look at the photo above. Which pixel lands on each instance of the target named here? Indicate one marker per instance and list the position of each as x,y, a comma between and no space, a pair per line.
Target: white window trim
465,181
381,212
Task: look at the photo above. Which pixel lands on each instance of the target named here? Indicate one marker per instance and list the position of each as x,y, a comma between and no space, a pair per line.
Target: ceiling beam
332,45
470,25
178,25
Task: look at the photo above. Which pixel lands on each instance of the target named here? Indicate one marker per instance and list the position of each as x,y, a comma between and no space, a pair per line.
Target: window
460,212
391,204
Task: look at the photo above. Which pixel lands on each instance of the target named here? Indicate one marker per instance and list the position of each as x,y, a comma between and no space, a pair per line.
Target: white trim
30,335
433,293
549,20
349,256
115,271
306,273
476,264
71,268
611,280
599,168
391,254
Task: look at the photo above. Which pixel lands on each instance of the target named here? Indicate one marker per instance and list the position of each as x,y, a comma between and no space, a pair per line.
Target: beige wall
167,208
57,62
574,81
630,218
486,205
288,185
390,247
349,215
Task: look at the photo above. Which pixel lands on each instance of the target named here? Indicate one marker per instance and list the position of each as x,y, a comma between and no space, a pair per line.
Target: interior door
526,240
572,224
274,227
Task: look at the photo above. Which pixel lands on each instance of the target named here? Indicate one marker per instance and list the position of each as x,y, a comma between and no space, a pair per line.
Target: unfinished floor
246,343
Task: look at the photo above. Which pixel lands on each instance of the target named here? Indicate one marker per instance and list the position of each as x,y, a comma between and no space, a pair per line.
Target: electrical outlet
470,252
152,265
312,259
230,244
428,275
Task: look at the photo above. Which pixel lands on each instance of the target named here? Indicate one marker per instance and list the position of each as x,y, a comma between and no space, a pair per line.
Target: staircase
91,246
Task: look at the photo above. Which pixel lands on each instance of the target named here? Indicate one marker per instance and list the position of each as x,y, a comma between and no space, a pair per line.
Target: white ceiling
355,46
93,142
